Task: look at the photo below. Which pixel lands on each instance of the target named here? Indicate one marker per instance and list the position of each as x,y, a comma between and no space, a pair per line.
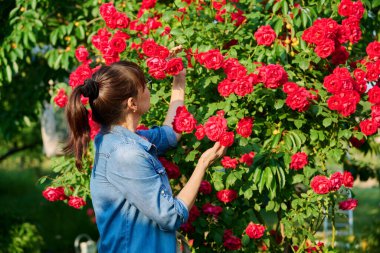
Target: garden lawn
22,201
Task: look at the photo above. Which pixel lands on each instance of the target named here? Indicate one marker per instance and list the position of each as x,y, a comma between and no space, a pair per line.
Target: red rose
121,35
215,127
121,20
161,52
226,196
218,4
344,8
78,76
107,10
244,127
336,180
320,184
230,241
153,23
171,169
227,139
229,163
200,132
211,209
81,54
194,213
155,63
332,83
226,87
205,187
61,98
357,9
265,35
149,47
187,227
299,160
334,103
142,127
290,87
118,44
298,100
359,74
374,95
94,127
356,142
255,231
76,202
84,100
373,72
234,69
339,56
373,50
54,194
349,204
238,17
243,86
375,114
368,127
211,59
183,121
325,49
175,65
157,73
148,4
348,179
247,158
272,75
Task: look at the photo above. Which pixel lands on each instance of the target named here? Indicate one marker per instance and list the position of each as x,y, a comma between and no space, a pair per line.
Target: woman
133,202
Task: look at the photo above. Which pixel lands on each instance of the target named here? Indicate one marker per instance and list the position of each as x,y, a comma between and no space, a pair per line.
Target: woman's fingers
175,50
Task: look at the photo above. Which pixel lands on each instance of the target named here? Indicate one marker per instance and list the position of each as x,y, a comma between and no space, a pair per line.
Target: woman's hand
212,154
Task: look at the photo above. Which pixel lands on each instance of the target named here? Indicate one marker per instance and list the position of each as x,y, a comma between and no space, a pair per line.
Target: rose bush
285,86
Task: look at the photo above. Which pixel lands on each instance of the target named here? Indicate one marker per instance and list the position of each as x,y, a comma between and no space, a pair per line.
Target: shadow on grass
22,201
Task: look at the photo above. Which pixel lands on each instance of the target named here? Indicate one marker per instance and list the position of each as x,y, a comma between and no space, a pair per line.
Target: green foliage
55,29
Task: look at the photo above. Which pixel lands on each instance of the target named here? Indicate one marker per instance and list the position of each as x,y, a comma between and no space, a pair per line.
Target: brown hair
107,89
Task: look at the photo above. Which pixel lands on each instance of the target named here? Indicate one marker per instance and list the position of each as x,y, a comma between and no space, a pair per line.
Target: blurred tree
37,44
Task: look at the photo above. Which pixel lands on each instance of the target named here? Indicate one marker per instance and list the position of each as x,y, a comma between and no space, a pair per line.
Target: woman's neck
131,121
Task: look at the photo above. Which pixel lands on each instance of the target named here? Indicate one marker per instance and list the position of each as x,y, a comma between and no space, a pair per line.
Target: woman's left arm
177,99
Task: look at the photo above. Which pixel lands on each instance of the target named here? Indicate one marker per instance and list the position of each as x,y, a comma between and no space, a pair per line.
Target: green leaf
313,135
327,122
298,178
279,103
8,72
268,176
298,123
245,240
231,179
270,206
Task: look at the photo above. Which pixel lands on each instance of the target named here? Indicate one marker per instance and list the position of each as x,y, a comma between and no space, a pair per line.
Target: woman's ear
131,104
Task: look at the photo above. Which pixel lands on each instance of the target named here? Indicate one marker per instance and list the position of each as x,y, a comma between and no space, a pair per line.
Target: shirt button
162,192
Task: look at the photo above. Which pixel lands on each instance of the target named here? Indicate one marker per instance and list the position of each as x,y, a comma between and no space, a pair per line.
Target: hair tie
90,89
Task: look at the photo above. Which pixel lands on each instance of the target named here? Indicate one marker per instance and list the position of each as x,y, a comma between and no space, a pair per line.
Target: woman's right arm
189,192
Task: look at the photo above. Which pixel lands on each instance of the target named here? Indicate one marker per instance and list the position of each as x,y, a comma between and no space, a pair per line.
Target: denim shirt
132,198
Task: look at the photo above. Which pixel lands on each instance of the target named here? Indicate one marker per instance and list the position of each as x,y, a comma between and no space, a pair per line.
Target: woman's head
113,92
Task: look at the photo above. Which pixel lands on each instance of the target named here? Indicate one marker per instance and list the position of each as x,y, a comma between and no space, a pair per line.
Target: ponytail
77,118
107,90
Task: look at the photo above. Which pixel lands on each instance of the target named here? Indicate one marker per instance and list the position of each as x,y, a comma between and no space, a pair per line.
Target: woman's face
143,100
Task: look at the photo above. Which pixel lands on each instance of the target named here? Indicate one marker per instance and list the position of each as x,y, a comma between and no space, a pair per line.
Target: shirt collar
131,135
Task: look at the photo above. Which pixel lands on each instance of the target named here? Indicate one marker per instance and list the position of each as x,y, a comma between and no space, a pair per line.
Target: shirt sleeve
132,172
162,137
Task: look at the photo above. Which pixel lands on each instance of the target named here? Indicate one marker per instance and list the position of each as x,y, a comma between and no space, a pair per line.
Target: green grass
368,209
22,201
